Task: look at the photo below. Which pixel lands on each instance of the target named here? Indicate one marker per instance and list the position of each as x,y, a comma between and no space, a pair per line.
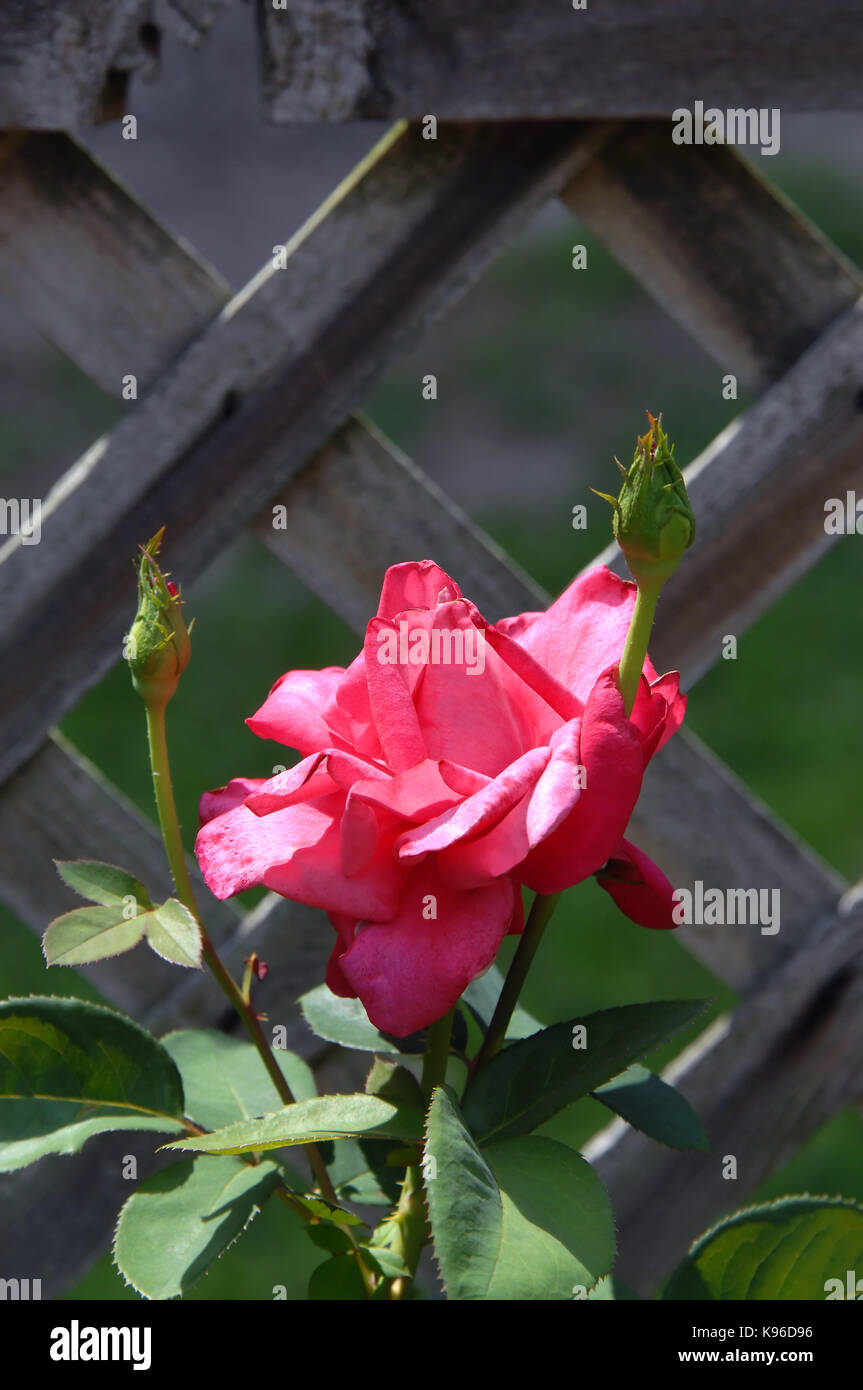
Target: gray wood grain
762,1080
91,268
67,63
258,391
363,489
330,60
719,248
759,493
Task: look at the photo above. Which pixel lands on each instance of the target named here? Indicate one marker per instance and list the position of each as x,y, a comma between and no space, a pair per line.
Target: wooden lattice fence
246,401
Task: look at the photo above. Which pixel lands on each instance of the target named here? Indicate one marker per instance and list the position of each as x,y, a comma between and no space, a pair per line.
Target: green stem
170,826
635,646
540,912
437,1054
409,1217
167,808
412,1227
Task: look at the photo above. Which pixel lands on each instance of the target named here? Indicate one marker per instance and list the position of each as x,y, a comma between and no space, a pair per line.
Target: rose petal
399,730
481,715
221,799
409,971
478,812
292,712
543,806
315,874
414,584
639,887
236,850
584,630
610,752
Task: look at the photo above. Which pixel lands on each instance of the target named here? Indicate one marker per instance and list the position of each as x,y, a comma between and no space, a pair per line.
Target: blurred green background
543,374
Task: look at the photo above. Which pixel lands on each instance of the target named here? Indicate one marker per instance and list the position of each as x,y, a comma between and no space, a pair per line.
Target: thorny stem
540,912
410,1214
170,826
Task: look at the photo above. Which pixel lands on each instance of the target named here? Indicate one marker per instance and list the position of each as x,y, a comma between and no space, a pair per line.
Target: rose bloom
453,762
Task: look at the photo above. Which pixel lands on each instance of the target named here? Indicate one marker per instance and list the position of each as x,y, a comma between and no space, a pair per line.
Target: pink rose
452,762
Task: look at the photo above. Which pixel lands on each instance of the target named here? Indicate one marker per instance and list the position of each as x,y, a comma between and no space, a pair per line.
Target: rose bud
653,525
653,520
157,646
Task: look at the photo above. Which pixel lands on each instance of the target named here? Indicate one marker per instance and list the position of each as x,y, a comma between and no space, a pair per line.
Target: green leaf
174,934
533,1079
324,1117
225,1080
102,883
178,1222
337,1280
386,1262
482,995
322,1209
69,1069
90,933
360,1172
610,1289
796,1248
648,1103
395,1083
330,1236
93,933
527,1219
342,1021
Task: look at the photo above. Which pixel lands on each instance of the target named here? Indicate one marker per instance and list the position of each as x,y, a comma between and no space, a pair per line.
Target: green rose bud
653,519
157,646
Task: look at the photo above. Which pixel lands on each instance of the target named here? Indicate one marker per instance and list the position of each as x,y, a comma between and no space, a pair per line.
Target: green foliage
324,1117
648,1103
524,1219
482,995
394,1082
224,1079
790,1249
343,1021
101,883
360,1172
531,1080
337,1280
124,915
180,1220
69,1070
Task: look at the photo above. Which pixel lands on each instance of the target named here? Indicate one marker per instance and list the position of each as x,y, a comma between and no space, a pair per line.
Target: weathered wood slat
259,391
91,268
383,509
701,822
759,493
59,806
66,63
762,1081
61,62
719,248
328,60
91,820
